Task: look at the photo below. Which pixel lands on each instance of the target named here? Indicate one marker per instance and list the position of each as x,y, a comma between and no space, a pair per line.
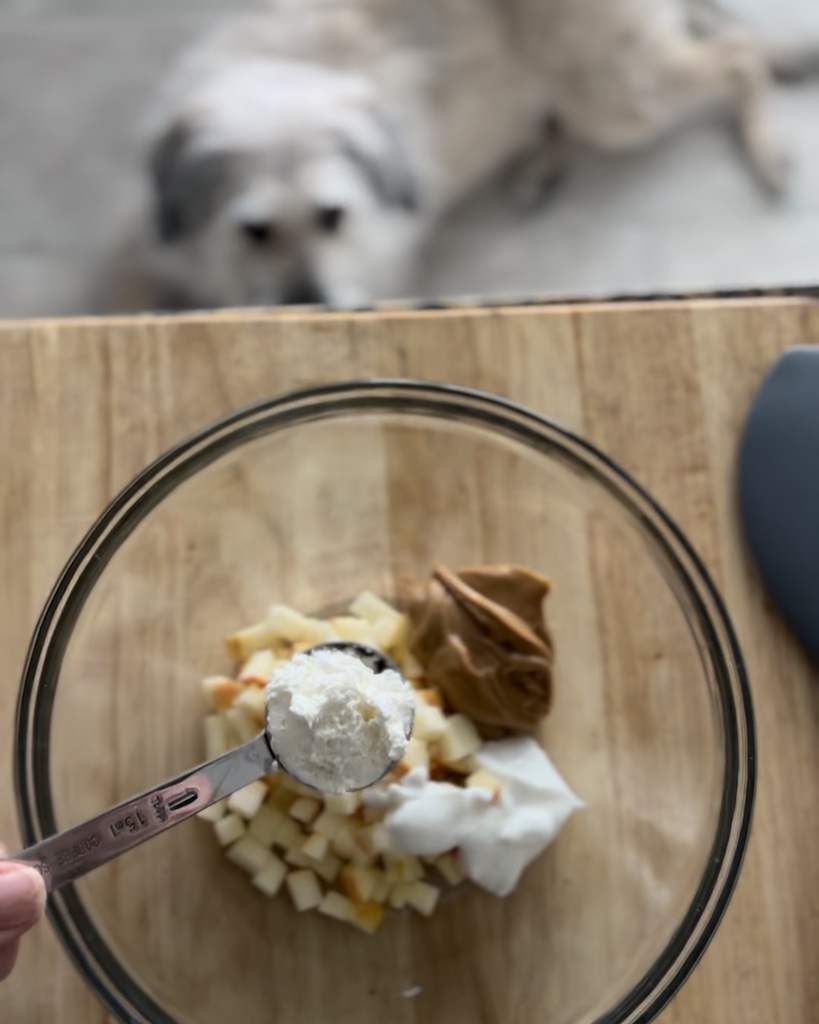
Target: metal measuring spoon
71,854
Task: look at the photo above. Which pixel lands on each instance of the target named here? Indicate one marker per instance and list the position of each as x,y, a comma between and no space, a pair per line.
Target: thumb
22,899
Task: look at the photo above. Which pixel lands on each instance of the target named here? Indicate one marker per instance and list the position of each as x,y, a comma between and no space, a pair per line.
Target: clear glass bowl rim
105,974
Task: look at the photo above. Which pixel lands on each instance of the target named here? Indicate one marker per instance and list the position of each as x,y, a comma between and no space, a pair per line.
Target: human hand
22,899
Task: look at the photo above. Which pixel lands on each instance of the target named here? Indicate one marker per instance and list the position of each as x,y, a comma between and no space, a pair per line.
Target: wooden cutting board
663,388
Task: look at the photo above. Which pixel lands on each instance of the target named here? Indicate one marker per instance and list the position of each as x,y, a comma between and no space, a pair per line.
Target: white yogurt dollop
497,838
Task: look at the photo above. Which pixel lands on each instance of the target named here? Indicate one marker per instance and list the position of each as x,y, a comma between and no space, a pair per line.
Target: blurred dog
304,154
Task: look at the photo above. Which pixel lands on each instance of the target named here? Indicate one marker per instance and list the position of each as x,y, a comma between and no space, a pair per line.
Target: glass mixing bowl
307,499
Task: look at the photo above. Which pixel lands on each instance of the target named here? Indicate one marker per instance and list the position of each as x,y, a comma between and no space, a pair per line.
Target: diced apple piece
247,800
315,847
371,607
304,889
244,727
381,888
348,627
342,803
336,906
330,825
373,839
345,846
464,765
298,859
248,854
390,631
214,813
484,779
368,916
403,869
220,691
305,809
286,623
459,740
282,797
229,829
430,696
357,882
423,897
372,813
449,867
247,641
258,668
288,782
328,867
270,877
397,898
416,755
217,740
429,723
265,824
251,700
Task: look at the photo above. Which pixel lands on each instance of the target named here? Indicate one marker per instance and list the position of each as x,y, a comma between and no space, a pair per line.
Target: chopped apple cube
429,723
484,779
459,740
373,839
217,740
298,859
251,700
381,888
270,877
464,765
315,847
248,854
330,825
403,869
431,696
390,631
305,809
258,668
247,800
220,691
215,812
229,829
423,897
286,623
358,882
247,641
304,889
371,607
336,906
288,782
449,867
397,898
244,727
348,627
416,755
282,797
368,916
342,803
328,867
265,824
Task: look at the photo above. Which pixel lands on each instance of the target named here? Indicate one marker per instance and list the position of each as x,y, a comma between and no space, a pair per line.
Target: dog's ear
188,185
376,145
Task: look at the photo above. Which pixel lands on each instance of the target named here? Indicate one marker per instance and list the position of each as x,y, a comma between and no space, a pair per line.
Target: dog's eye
259,232
329,218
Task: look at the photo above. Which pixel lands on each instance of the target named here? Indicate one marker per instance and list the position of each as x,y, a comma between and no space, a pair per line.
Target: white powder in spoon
335,724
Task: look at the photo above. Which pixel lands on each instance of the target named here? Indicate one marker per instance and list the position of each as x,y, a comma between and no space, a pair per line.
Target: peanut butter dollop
481,638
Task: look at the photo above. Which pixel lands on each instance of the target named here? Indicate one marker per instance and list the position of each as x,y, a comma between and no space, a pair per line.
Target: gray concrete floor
76,75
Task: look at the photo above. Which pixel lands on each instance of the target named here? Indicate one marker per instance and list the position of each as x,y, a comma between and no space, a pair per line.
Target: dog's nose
303,293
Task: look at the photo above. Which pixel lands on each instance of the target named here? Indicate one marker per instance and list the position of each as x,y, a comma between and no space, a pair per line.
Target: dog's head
284,184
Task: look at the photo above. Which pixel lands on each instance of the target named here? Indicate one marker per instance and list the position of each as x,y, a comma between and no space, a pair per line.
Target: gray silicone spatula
779,489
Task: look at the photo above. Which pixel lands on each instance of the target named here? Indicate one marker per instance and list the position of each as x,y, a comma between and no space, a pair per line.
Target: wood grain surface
663,388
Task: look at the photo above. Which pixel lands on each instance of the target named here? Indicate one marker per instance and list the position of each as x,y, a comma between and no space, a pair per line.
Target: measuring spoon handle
68,855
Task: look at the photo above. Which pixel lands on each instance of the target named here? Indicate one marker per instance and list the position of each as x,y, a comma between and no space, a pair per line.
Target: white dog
305,153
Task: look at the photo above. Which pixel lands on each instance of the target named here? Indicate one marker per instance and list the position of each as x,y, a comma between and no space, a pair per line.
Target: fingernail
21,893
